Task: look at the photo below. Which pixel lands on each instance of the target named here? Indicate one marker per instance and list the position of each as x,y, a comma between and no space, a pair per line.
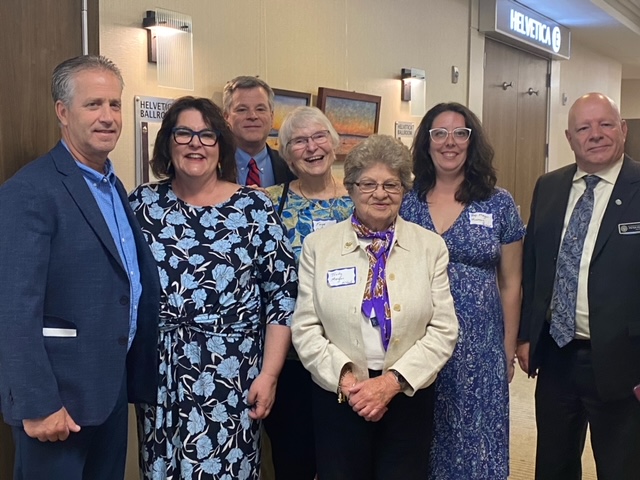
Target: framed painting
354,115
285,101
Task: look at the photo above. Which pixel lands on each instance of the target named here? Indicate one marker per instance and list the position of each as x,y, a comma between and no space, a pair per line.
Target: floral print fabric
299,214
225,271
471,418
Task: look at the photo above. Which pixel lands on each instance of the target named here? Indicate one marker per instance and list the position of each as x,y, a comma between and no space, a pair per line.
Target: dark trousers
396,447
566,402
290,425
94,453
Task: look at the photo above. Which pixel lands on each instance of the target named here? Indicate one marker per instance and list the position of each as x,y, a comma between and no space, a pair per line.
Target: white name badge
59,332
341,277
479,218
629,228
320,224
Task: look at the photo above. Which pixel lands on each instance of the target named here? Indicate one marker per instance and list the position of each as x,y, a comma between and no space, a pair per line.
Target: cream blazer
326,324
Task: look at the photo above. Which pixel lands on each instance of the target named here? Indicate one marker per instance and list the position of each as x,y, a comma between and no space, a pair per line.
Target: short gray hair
62,79
244,82
376,149
302,117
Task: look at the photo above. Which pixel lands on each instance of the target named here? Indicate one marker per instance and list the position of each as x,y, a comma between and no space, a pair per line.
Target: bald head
596,132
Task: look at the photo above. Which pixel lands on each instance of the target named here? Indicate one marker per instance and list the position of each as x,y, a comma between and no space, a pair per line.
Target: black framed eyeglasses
183,136
440,135
367,186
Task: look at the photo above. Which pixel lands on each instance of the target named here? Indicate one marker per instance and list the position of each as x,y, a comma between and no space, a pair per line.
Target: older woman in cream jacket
374,323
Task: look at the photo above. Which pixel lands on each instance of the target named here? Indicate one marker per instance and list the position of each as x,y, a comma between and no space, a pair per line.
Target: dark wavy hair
161,164
479,174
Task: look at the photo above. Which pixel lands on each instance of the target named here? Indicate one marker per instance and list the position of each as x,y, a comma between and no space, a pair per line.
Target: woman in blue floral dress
229,285
455,196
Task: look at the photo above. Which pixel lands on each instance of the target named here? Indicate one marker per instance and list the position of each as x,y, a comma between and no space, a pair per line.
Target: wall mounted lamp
170,46
412,78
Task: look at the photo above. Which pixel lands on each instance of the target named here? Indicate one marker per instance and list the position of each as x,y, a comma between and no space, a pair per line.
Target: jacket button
123,341
396,307
124,300
392,276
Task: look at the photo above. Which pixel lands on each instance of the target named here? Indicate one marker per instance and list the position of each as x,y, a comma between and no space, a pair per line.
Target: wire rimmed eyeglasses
183,136
299,143
367,186
459,135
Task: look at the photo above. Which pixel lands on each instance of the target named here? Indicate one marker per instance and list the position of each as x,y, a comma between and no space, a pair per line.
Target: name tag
59,332
479,218
341,277
320,224
629,228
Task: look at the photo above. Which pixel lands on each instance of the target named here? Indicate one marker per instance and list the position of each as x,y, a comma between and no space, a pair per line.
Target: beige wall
630,99
356,45
586,72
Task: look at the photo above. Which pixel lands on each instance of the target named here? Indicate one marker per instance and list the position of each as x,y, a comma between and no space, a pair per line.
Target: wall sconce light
410,77
170,46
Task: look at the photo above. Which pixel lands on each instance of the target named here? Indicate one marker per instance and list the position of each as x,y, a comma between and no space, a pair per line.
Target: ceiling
610,27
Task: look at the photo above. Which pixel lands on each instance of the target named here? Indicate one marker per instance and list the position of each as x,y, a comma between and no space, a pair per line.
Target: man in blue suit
79,291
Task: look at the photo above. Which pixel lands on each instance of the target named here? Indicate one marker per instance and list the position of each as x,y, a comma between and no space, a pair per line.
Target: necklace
314,202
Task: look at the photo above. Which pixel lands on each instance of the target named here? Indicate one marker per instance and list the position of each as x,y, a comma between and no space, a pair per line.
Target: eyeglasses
440,135
183,136
367,186
300,143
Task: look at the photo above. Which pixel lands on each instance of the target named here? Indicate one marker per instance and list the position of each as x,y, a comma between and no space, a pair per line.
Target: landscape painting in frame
284,101
354,115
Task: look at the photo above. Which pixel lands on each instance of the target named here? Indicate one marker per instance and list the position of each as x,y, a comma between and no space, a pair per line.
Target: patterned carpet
523,432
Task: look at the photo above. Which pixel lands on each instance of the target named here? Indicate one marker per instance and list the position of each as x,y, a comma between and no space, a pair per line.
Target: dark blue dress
471,419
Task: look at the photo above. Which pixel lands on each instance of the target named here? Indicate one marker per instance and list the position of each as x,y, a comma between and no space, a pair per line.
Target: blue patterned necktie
565,287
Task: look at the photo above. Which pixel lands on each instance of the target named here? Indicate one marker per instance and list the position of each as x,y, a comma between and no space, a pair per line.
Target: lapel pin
618,202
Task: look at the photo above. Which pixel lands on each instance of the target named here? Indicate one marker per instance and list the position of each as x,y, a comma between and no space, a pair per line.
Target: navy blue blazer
614,278
281,172
59,268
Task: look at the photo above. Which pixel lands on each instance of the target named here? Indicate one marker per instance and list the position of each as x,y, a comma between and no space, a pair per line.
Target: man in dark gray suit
248,108
580,330
79,291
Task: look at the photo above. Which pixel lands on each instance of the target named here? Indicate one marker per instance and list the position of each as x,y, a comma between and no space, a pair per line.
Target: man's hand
56,426
522,352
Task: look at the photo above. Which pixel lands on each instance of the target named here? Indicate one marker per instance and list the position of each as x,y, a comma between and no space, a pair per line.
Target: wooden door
515,117
34,38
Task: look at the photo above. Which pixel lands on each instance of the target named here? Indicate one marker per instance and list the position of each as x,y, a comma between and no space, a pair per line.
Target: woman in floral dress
455,195
229,284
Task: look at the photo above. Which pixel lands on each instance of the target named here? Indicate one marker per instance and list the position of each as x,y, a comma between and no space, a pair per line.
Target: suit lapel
551,218
626,187
77,187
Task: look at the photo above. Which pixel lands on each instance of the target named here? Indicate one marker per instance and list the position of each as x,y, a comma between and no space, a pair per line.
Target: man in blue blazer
79,291
587,367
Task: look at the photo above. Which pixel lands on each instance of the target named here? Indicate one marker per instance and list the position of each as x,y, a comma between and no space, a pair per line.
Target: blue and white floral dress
225,271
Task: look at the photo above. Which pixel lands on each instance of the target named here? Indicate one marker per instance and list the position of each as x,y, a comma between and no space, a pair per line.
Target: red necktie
253,177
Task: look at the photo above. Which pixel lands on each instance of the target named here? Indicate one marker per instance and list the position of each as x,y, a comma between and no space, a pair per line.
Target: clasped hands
369,398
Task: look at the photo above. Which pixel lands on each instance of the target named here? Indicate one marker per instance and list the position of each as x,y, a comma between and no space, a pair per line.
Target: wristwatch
401,380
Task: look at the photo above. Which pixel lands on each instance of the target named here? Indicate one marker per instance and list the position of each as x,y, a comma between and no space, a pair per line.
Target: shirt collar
90,173
243,157
609,174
